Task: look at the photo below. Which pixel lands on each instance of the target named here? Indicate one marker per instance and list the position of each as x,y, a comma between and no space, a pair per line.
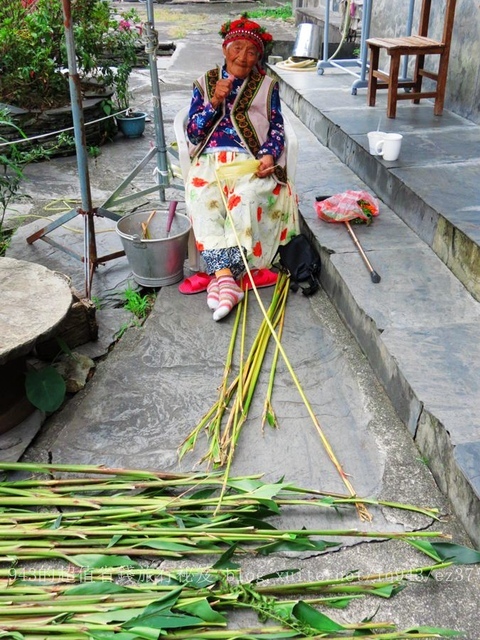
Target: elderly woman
235,115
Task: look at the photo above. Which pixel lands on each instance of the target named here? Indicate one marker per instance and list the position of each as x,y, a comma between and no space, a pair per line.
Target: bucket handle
137,242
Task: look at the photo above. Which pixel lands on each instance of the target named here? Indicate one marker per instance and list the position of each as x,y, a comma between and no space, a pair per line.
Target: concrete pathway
374,380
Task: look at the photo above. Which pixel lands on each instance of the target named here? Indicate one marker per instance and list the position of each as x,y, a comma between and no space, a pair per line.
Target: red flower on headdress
245,24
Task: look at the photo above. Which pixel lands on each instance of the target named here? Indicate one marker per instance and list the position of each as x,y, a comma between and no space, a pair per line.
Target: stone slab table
34,302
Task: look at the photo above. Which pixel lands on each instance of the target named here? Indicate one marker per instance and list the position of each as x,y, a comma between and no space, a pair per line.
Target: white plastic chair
179,126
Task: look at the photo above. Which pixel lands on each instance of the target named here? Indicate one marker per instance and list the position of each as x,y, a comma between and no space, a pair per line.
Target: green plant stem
348,580
362,511
145,572
268,412
90,469
214,533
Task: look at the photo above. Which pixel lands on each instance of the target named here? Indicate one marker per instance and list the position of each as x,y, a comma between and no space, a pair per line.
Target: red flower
259,213
277,189
222,157
257,249
199,246
233,201
283,235
199,182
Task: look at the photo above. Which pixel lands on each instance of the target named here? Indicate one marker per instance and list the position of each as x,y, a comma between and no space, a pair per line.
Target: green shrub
33,53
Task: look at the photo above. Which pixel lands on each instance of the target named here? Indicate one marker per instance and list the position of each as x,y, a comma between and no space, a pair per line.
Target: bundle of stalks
119,514
239,393
237,169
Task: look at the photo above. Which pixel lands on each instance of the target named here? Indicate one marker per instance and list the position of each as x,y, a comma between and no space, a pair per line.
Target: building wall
389,19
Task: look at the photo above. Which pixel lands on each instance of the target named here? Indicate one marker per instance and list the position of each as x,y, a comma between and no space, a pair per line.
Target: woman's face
241,56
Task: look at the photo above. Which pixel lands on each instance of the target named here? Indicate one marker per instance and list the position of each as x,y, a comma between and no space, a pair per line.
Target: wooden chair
416,45
179,125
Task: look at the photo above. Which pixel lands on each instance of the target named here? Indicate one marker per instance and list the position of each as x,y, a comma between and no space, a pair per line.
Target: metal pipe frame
90,257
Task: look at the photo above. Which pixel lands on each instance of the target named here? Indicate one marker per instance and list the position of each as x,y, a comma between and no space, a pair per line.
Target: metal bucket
159,261
307,42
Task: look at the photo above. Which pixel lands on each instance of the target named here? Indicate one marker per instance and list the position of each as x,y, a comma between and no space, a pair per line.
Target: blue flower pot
132,126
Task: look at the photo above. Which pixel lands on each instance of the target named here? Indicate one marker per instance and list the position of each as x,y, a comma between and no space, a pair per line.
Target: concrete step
433,186
419,327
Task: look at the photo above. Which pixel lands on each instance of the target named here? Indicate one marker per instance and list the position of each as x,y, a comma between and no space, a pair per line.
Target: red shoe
261,278
195,284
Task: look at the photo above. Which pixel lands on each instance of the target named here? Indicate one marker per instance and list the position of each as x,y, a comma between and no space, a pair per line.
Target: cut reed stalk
361,509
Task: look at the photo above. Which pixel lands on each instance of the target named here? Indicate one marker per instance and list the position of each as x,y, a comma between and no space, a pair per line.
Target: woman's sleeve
201,118
275,141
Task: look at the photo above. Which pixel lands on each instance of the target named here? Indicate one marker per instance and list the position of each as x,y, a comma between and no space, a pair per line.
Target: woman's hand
266,168
222,90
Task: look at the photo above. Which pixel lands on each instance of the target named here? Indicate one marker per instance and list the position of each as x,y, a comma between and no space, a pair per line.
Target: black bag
301,260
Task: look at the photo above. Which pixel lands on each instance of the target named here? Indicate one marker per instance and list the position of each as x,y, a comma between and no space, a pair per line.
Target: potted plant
34,64
131,123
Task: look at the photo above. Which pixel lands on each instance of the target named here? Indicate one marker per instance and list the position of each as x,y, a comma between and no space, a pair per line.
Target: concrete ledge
433,186
419,328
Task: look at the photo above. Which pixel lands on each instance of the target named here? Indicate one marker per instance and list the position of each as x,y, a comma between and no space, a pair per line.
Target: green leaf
283,609
224,561
12,634
165,545
271,419
166,581
275,574
203,610
197,580
45,389
269,490
426,547
445,633
158,617
456,553
64,347
118,615
269,504
97,561
295,544
202,494
387,590
256,523
114,541
340,603
313,618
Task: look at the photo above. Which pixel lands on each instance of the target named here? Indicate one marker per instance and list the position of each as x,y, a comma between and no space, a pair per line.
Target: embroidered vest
250,114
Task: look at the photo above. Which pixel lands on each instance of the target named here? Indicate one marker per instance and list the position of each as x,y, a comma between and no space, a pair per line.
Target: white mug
390,146
373,138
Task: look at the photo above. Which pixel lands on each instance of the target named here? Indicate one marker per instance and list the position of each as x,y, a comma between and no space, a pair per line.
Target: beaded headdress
245,29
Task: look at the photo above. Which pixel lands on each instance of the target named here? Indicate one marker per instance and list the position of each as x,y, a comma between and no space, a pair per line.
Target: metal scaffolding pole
90,258
159,151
